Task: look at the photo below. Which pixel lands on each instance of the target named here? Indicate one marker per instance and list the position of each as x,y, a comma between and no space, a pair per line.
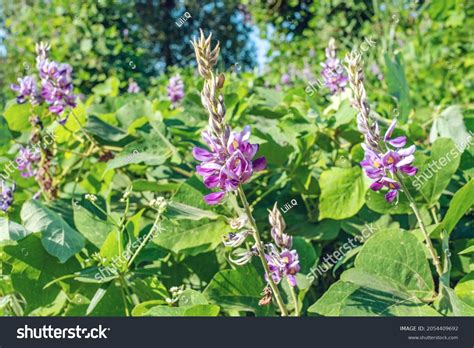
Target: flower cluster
175,89
333,72
227,165
56,84
385,159
6,196
383,166
26,161
282,261
133,86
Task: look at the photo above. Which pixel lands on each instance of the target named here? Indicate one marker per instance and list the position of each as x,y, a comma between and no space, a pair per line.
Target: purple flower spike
333,72
284,264
26,90
133,87
26,161
6,196
175,89
380,166
227,167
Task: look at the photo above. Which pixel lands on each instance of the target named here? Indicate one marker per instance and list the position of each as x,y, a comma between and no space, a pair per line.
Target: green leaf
58,238
238,289
397,256
87,222
435,173
17,116
391,277
376,201
191,237
100,293
307,254
342,193
465,289
187,311
11,231
462,201
133,110
450,124
179,211
345,114
347,299
448,303
397,85
5,134
104,130
33,269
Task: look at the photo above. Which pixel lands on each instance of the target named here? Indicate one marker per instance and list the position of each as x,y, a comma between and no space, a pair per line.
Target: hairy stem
261,252
429,244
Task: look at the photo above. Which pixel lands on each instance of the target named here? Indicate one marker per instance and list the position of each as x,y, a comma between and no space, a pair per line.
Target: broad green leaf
376,201
33,269
104,130
397,85
58,238
345,114
462,201
435,173
468,250
17,116
150,150
342,193
449,304
179,211
191,297
348,299
187,311
450,124
191,237
109,88
399,257
307,254
465,289
133,110
238,289
11,231
391,277
93,227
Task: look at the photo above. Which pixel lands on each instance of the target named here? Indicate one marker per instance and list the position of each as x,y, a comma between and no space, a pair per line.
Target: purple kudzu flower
379,165
6,196
26,90
175,89
227,167
133,87
333,71
26,160
284,264
285,79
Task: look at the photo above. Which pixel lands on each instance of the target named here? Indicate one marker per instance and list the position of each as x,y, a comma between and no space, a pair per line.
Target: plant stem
429,244
261,252
144,242
295,299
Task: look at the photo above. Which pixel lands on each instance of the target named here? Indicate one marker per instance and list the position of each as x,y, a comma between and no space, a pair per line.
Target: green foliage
102,246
